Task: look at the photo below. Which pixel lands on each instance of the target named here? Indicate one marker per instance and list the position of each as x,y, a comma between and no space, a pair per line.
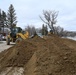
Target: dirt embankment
50,55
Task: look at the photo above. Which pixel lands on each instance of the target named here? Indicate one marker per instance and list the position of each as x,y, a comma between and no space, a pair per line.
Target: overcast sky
28,11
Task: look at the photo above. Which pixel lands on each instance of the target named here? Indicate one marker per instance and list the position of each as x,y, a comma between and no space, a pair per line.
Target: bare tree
31,30
59,30
50,18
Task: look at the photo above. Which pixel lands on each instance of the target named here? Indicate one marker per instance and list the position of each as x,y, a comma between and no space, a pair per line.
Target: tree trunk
53,28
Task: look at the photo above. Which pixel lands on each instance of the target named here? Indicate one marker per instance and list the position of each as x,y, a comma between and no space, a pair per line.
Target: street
4,46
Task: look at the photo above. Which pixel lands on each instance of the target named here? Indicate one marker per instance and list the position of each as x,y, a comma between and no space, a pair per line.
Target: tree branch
43,20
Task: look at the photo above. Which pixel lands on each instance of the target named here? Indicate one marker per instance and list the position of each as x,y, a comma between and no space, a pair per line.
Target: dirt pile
49,56
57,58
18,55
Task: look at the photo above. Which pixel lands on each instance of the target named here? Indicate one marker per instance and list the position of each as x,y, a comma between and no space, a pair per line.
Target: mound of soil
50,55
57,58
18,55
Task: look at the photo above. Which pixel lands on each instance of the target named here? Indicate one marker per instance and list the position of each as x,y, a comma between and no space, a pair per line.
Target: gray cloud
28,11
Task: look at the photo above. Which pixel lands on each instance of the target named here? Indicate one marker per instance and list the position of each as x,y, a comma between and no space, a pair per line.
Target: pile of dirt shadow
50,55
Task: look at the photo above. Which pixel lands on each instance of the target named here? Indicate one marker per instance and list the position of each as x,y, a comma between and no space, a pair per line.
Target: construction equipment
16,35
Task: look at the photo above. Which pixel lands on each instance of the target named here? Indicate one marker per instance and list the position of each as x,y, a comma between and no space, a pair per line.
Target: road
4,46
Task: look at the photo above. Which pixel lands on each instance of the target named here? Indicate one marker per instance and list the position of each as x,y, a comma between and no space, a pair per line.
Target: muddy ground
50,55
